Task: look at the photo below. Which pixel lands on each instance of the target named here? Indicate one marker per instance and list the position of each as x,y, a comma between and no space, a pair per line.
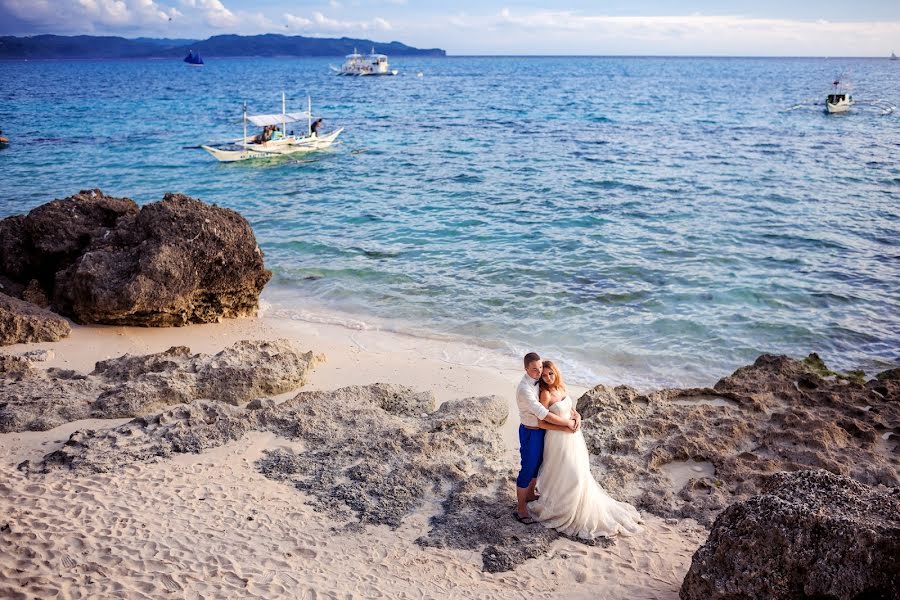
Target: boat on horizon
359,65
894,56
274,142
193,59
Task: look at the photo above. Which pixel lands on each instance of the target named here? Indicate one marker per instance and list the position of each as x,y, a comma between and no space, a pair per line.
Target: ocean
650,221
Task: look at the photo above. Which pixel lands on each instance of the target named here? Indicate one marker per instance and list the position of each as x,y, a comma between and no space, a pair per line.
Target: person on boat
314,127
263,136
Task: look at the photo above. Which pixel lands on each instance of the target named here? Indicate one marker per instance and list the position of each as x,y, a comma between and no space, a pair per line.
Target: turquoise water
643,220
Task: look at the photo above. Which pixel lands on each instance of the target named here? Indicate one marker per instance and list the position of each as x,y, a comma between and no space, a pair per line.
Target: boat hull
275,149
840,107
385,74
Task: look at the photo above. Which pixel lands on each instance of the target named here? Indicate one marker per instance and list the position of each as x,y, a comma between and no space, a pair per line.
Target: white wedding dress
571,500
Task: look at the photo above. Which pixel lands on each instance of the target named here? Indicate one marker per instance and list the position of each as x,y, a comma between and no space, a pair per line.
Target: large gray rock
692,452
809,535
103,260
22,323
129,386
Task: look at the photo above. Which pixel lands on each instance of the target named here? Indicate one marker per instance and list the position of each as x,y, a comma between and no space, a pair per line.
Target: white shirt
530,408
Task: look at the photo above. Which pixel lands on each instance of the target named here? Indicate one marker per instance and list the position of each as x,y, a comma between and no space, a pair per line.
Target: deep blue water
643,220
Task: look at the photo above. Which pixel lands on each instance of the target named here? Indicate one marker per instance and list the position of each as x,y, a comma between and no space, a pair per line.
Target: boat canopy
278,119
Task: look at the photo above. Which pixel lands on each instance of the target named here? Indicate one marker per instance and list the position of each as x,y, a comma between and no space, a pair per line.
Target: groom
533,416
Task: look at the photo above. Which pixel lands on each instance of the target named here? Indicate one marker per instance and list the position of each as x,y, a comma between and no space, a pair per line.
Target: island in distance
271,44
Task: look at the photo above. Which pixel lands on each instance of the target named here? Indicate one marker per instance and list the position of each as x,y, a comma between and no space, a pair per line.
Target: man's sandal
523,520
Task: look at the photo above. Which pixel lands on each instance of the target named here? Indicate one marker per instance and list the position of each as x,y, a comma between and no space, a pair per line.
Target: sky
575,27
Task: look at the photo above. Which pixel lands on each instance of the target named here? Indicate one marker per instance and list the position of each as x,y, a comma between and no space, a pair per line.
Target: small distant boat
274,142
4,141
894,56
193,59
839,100
359,65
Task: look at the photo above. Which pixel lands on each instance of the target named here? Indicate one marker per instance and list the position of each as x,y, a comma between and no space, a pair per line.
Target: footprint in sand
170,584
305,553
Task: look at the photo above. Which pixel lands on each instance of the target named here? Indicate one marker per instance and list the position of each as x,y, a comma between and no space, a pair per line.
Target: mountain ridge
49,46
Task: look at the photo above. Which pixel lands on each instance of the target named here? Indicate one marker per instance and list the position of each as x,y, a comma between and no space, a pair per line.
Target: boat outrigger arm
282,145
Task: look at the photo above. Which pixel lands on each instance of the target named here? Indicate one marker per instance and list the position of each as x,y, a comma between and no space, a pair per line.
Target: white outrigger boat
281,143
358,65
839,100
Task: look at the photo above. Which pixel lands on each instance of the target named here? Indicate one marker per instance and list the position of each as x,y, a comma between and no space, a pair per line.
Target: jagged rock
259,403
809,535
103,260
129,386
775,415
39,355
188,428
22,323
35,294
52,236
14,367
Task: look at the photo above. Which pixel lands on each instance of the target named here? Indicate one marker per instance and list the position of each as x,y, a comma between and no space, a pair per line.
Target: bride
571,500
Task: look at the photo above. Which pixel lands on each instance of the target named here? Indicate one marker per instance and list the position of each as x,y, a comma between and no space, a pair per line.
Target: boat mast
283,116
308,116
245,125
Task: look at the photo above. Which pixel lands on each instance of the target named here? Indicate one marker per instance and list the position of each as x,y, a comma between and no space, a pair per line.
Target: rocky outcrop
186,428
374,455
364,455
101,259
809,535
129,386
22,322
691,453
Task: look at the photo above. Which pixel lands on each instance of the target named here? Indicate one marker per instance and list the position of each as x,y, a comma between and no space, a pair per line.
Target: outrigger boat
839,100
357,65
280,144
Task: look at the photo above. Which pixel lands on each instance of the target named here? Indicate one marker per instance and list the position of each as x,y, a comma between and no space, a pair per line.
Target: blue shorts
531,447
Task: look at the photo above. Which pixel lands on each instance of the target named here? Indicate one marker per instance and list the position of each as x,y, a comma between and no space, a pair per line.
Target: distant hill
270,44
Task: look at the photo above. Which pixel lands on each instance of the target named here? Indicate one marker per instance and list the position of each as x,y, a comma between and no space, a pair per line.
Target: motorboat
193,59
359,65
839,100
274,141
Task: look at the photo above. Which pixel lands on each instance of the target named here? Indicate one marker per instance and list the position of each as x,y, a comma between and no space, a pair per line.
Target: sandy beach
209,525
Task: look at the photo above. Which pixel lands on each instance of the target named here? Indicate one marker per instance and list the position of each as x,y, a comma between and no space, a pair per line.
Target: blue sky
725,27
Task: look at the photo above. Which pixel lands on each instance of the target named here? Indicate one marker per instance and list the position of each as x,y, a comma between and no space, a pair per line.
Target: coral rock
809,535
22,322
104,260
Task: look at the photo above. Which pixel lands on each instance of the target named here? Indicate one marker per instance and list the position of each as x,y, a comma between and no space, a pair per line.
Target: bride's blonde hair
558,383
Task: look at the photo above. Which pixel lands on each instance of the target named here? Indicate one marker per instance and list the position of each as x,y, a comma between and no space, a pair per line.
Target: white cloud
296,22
572,32
319,23
81,15
213,13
